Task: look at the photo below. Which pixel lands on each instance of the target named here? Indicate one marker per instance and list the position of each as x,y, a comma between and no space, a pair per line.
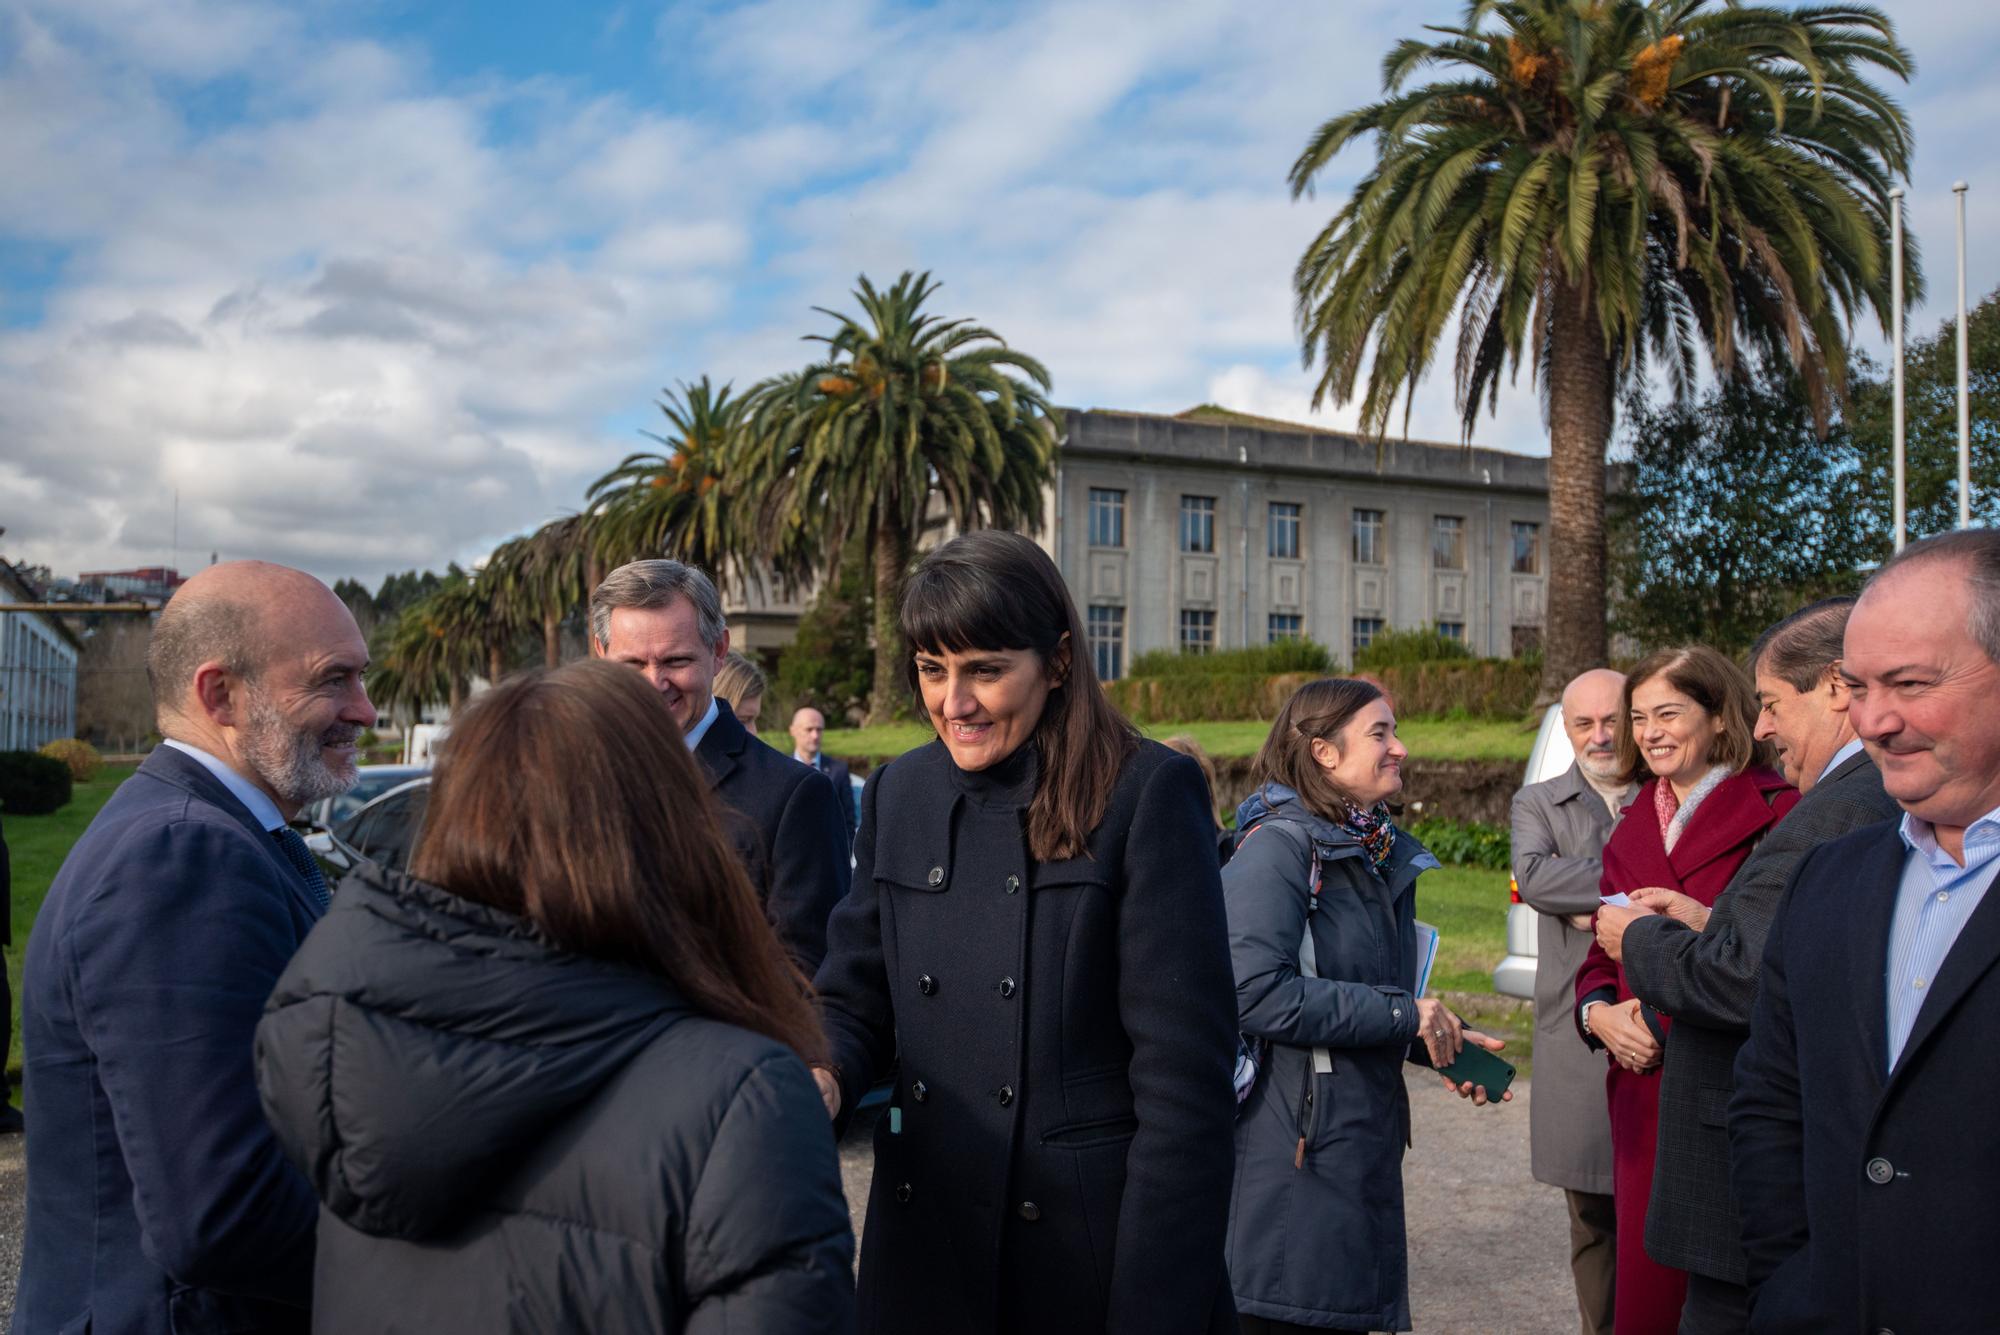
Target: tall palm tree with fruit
1614,188
905,412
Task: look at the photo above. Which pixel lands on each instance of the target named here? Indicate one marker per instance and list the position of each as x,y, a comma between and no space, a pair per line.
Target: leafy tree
830,663
1737,514
672,502
1605,184
1930,383
904,410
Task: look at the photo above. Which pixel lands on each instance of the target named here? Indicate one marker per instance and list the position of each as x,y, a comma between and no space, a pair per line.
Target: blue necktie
301,857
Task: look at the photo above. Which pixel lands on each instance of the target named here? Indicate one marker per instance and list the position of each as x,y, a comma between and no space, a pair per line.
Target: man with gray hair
664,619
158,1199
1855,1145
1701,965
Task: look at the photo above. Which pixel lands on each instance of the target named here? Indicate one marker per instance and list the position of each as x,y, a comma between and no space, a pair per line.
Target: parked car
370,782
382,832
1514,976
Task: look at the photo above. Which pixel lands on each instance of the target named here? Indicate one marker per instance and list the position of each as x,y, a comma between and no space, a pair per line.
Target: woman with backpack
1322,934
1035,948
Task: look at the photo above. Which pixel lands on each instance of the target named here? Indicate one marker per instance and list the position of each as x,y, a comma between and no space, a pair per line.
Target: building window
1286,626
1197,523
1452,630
1365,631
1106,629
1284,529
1368,537
1197,631
1527,548
1107,517
1527,641
1447,542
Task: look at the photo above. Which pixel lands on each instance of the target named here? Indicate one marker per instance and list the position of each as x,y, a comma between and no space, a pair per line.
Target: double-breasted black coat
1055,1157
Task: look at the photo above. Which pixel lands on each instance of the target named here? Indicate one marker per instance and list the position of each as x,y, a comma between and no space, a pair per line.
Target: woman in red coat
1709,796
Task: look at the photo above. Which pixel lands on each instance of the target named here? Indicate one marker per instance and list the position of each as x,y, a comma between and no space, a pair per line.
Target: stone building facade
1201,534
38,656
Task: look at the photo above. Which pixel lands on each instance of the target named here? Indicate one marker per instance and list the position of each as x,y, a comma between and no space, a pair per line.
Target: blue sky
375,285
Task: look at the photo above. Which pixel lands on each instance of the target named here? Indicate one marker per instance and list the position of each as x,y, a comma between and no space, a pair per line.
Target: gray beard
1605,772
288,760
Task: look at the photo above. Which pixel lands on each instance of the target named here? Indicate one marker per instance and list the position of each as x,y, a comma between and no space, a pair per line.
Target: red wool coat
1718,839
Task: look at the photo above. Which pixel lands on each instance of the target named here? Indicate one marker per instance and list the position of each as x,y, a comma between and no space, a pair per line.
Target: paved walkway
1488,1245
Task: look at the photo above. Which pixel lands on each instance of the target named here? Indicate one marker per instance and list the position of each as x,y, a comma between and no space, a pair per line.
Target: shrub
32,785
1465,843
1476,687
79,755
1264,660
1400,648
1191,698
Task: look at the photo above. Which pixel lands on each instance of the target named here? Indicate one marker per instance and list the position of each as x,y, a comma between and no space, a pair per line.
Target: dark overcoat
512,1139
1707,981
1316,1236
1559,827
158,1200
1054,1158
1867,1193
785,827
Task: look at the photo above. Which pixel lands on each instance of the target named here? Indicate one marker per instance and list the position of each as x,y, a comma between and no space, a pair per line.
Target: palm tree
1609,183
428,652
905,407
672,502
554,578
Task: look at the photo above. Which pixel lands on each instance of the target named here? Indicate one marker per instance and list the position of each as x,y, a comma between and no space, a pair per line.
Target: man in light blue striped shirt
1866,1193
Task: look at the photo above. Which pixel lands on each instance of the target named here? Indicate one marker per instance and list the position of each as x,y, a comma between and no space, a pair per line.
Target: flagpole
1964,392
1896,320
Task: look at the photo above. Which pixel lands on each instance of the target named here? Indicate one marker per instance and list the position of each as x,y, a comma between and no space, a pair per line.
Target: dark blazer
1707,981
1558,828
158,1200
1055,1156
837,774
785,827
511,1137
1867,1193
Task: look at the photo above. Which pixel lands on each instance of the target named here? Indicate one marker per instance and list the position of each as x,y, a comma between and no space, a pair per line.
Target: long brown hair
1718,686
995,590
569,798
1318,709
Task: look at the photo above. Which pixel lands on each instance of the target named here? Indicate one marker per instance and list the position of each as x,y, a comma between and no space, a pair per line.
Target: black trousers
1714,1307
1257,1325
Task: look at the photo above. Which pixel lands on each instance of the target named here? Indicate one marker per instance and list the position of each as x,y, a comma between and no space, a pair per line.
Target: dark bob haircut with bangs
1000,591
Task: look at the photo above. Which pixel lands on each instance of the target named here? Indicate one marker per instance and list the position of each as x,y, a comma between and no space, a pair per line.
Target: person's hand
1440,1030
829,1090
1681,908
1477,1093
1620,1029
1583,922
1612,920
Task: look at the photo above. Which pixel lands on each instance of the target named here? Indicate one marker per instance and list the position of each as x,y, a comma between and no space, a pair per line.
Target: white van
1514,976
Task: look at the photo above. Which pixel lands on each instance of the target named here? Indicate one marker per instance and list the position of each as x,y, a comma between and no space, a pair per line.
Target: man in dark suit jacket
1701,966
808,730
665,619
158,1199
10,1116
1857,1153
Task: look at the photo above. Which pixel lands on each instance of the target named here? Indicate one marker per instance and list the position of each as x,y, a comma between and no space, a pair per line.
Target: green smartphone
1480,1067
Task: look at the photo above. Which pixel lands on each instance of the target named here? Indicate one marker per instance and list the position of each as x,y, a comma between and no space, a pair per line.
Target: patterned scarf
1675,814
1375,832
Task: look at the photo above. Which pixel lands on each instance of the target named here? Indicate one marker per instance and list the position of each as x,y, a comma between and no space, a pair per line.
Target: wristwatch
1584,1016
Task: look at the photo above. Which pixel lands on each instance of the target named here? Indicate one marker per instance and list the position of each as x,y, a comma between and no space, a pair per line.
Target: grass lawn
36,847
1427,738
1468,906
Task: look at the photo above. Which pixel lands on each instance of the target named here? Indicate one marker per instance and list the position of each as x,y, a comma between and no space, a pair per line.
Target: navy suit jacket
786,829
1867,1193
159,1202
843,790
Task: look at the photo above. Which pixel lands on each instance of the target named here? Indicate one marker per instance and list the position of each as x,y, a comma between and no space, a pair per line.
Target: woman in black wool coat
1035,941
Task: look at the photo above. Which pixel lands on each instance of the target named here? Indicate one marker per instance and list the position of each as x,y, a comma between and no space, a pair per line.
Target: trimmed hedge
1479,687
79,755
1264,660
32,785
1482,687
1403,648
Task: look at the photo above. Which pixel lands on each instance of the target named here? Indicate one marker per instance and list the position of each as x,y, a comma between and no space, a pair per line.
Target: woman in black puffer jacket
553,1081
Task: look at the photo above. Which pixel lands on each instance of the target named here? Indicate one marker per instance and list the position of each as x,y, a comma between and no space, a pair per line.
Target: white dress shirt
259,802
700,729
1937,896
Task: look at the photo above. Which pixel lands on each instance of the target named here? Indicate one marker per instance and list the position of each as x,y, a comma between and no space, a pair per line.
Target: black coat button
1006,1095
1013,885
926,984
1006,987
1881,1171
1029,1211
920,1091
937,875
903,1193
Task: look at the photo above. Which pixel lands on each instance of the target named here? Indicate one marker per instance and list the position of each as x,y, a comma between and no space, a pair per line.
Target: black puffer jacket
508,1138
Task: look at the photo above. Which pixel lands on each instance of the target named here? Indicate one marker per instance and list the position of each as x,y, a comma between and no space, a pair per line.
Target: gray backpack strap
1322,1058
